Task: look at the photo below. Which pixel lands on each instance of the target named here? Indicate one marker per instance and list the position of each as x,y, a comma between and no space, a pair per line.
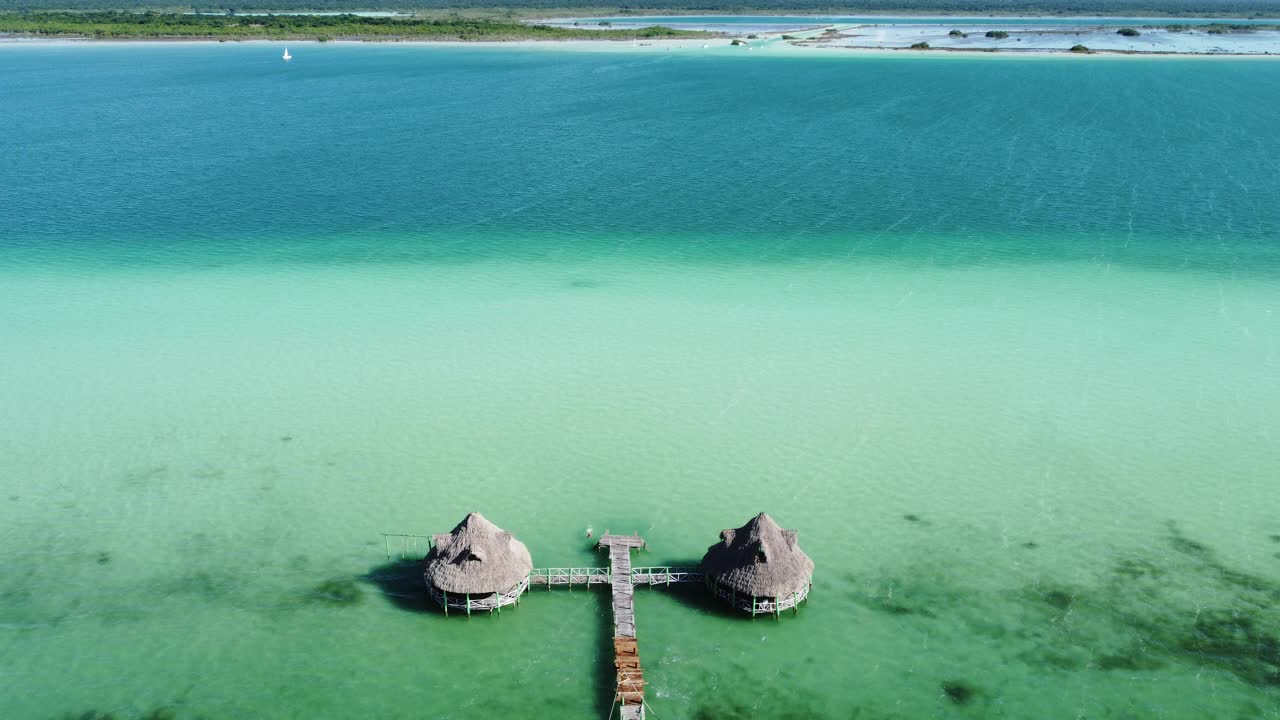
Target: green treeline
1220,8
119,24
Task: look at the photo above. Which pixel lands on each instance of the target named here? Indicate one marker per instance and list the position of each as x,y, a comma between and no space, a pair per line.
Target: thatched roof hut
759,567
477,566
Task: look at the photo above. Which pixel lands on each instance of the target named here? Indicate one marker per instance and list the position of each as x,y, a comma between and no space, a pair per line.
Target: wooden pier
626,652
622,580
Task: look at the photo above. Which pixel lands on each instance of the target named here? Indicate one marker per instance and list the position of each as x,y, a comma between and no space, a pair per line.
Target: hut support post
386,540
446,602
468,604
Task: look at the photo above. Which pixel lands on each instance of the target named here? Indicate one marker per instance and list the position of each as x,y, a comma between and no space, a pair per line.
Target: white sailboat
287,56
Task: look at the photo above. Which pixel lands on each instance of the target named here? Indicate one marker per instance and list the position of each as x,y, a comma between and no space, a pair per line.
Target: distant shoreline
1195,37
719,46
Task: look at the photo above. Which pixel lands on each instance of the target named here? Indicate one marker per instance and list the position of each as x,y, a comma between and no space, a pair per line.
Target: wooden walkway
626,653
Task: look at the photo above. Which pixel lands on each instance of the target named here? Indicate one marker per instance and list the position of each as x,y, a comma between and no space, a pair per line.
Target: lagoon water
999,337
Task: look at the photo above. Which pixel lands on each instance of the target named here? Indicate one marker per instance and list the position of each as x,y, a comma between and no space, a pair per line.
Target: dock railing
405,546
480,603
658,575
569,576
665,575
760,605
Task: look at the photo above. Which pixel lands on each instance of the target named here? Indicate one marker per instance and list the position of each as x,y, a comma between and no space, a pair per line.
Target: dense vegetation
1224,28
1223,8
117,24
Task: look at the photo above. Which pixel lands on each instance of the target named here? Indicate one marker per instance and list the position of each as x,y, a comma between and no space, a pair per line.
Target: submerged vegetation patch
1237,641
1186,545
1135,616
890,605
958,692
163,712
338,592
1137,657
1059,599
1237,631
782,706
1137,569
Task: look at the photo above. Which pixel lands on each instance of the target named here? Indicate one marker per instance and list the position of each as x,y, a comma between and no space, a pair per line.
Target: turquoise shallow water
1000,339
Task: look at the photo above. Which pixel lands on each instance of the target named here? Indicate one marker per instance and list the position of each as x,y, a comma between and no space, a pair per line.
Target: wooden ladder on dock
626,652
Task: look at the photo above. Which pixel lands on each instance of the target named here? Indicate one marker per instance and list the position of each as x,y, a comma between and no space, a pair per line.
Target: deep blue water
423,147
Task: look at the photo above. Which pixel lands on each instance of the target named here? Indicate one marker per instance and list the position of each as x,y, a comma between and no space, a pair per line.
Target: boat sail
287,56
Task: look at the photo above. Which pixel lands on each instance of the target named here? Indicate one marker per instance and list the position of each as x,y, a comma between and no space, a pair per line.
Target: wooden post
468,604
795,604
386,541
446,602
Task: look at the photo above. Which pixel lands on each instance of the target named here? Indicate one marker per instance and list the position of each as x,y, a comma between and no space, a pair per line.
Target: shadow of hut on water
400,582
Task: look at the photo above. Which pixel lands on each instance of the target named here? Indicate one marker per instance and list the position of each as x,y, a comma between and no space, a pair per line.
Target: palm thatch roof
478,557
759,559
